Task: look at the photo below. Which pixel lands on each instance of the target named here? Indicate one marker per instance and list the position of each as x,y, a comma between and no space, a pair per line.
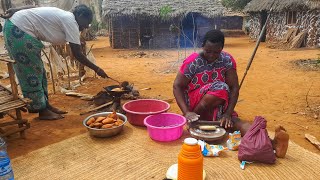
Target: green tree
236,5
165,11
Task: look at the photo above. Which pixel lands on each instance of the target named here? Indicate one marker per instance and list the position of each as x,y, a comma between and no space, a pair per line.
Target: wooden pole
193,31
15,95
68,71
62,50
51,72
255,49
14,88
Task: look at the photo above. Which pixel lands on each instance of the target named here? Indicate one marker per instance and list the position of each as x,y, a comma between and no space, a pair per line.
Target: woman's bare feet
46,114
56,110
281,141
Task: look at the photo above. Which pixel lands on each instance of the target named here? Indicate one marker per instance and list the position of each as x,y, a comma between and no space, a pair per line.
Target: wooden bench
11,102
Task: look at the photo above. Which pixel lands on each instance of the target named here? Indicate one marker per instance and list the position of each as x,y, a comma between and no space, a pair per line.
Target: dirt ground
274,88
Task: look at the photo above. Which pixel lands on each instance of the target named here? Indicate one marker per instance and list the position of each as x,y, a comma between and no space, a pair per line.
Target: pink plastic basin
139,109
165,126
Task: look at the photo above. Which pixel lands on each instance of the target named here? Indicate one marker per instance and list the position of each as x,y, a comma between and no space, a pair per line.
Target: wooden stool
10,101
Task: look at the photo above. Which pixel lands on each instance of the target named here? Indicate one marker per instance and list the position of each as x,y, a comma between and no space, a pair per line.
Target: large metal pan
116,93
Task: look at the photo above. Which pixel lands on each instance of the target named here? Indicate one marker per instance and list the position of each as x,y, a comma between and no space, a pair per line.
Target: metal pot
105,132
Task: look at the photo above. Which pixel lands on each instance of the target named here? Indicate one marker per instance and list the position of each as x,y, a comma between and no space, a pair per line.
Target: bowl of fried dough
105,124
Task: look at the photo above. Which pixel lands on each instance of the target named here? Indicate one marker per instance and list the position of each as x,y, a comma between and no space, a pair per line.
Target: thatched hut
288,18
159,24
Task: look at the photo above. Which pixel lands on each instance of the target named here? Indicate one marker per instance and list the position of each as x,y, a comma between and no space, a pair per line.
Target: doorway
264,16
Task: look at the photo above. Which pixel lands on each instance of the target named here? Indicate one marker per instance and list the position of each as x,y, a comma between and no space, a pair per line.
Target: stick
20,129
96,108
145,89
22,121
7,60
308,94
313,140
13,83
81,66
69,83
78,94
255,49
50,66
90,49
305,127
15,94
115,80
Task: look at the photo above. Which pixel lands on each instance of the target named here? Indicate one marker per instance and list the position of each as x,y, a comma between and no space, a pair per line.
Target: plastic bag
211,150
234,140
256,144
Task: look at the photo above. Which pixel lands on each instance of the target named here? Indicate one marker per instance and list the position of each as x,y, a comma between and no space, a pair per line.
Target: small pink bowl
137,110
165,126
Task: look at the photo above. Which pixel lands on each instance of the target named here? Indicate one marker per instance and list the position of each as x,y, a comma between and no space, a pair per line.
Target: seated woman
207,87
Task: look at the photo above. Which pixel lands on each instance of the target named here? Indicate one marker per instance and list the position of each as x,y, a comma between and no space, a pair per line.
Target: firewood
313,140
297,41
79,94
97,108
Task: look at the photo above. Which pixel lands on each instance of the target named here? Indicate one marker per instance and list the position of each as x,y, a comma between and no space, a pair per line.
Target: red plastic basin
139,109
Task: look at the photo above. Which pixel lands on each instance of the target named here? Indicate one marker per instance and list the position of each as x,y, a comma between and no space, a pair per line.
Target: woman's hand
191,116
226,121
9,13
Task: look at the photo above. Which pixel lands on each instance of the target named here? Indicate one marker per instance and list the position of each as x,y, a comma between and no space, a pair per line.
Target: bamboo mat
133,155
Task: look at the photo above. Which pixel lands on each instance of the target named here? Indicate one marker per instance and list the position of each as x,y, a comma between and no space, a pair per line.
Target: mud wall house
232,20
159,24
62,4
288,18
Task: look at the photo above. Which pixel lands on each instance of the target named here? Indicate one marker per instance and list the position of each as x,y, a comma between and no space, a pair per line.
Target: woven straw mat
133,155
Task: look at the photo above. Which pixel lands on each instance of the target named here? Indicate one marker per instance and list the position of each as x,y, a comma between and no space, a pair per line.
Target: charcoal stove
117,96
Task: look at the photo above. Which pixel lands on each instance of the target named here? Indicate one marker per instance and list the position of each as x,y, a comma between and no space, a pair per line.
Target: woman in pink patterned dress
207,83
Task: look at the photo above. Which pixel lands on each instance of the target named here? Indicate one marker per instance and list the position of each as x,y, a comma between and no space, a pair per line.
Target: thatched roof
281,5
229,12
208,8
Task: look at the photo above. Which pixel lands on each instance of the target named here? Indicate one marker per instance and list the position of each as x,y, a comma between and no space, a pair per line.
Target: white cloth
48,24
